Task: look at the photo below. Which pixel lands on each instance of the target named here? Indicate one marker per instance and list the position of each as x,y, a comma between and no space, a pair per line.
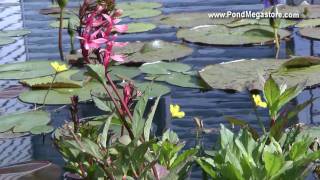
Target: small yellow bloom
58,67
175,111
257,100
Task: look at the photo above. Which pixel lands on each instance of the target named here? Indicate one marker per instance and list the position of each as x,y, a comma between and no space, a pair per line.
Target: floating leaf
75,22
157,50
6,41
156,90
178,79
23,122
221,35
311,33
140,27
61,95
284,23
62,80
139,9
41,129
14,33
25,70
160,67
308,23
190,20
123,72
245,74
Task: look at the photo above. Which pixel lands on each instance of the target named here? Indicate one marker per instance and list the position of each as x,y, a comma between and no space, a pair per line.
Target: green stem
51,84
60,35
276,38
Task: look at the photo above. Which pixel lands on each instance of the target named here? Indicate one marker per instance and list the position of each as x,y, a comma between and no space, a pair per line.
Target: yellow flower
175,111
257,100
58,67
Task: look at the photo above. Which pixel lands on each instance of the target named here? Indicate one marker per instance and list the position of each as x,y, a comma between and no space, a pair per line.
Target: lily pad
74,21
124,72
62,80
311,33
221,35
160,67
157,50
24,122
157,89
41,129
6,41
246,74
139,9
14,33
284,23
190,20
26,70
57,96
178,79
308,23
140,27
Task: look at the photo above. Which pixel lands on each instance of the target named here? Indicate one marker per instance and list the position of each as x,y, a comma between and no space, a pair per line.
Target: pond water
210,106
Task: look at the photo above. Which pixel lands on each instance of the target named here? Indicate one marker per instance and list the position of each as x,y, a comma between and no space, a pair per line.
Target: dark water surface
210,106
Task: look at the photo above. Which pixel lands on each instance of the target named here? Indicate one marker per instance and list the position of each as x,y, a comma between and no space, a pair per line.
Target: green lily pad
160,67
23,122
247,74
57,96
14,33
221,35
310,33
44,129
140,27
123,72
6,41
178,79
190,20
139,9
157,89
26,70
157,50
74,21
308,23
284,23
62,80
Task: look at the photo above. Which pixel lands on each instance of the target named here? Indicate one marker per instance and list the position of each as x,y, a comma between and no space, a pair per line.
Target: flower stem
276,38
60,35
50,87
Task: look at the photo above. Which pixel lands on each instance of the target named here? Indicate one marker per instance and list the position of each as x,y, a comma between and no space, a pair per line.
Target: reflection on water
210,106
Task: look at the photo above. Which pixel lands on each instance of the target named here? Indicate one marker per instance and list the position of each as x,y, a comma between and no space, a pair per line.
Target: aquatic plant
62,4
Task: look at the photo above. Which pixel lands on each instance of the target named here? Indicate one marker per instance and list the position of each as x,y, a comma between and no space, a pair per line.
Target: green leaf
140,27
139,9
97,71
25,122
207,166
104,134
14,33
160,67
242,124
183,157
102,105
41,129
273,163
299,149
26,70
148,123
139,109
271,92
157,89
6,41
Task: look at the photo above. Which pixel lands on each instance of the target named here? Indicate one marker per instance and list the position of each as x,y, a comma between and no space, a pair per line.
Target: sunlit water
210,106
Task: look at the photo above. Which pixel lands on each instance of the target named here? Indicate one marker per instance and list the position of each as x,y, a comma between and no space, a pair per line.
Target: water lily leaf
32,170
190,20
26,70
310,33
141,13
58,96
157,50
140,27
41,129
246,74
14,33
6,41
161,67
23,122
62,80
221,35
308,23
284,23
178,79
139,9
75,22
124,72
156,90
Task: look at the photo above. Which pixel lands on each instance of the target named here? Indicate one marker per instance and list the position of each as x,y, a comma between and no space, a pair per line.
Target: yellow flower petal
57,67
175,111
257,100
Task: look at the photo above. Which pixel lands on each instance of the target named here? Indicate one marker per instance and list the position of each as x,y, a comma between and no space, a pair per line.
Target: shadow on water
210,106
